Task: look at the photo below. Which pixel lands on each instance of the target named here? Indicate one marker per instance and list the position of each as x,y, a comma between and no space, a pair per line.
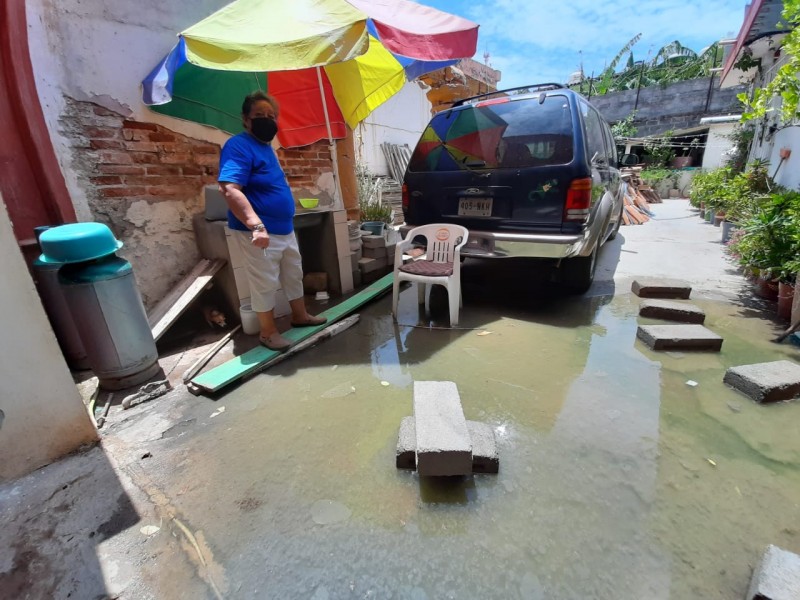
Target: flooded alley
618,479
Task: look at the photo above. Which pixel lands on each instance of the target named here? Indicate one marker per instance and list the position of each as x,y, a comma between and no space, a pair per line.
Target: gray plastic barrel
108,311
45,276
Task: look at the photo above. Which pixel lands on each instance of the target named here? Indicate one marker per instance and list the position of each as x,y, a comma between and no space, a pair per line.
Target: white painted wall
99,51
717,145
400,120
43,417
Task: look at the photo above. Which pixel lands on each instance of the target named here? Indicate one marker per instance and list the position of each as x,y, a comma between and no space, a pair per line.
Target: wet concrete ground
617,479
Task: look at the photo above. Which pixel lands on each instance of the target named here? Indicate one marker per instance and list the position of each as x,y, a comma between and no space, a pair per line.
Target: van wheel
578,273
618,225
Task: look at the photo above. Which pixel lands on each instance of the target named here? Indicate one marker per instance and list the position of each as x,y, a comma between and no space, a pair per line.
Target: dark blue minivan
531,174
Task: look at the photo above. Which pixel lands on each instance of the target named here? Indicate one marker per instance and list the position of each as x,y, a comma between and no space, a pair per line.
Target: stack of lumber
633,176
635,209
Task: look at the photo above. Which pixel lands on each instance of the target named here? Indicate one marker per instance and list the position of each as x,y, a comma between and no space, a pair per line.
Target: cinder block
339,216
484,448
443,443
242,283
369,265
776,577
375,252
672,311
357,278
354,258
345,275
237,258
766,382
661,288
679,337
373,241
406,457
342,239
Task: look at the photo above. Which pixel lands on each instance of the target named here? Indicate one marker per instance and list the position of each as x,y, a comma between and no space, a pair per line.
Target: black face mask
264,128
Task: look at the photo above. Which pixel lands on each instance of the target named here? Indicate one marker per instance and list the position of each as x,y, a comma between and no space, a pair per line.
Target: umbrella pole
338,202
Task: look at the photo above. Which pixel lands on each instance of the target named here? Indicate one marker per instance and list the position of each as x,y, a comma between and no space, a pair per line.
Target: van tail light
579,199
405,196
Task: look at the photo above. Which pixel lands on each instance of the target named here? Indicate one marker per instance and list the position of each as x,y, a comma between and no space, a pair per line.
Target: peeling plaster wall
42,416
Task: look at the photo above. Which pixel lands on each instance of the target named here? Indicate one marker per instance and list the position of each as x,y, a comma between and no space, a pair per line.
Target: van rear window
515,134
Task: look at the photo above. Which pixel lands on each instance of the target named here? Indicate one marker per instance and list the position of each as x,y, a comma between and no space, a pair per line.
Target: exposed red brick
133,135
192,170
176,159
168,170
106,145
139,125
101,133
121,192
148,180
104,112
206,149
173,190
175,147
107,180
142,146
157,136
147,158
121,169
206,159
115,158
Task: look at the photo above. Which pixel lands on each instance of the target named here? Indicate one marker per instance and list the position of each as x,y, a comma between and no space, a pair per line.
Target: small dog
214,317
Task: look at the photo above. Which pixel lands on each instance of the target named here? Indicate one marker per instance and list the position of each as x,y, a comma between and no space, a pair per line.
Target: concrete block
354,258
672,311
776,577
342,236
484,448
766,382
375,252
357,277
236,256
443,443
369,265
345,275
339,216
242,283
679,337
406,457
373,241
645,287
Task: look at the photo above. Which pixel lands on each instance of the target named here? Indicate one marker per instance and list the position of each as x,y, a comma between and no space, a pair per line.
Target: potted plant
374,213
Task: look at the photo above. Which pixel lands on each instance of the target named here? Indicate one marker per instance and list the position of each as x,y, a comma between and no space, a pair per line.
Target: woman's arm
242,210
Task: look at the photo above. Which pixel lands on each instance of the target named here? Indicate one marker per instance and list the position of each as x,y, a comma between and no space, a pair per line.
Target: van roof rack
531,88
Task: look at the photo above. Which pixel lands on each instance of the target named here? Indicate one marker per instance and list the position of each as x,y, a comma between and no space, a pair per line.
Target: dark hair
256,96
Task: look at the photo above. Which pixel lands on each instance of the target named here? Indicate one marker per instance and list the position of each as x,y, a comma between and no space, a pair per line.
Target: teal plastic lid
77,242
104,269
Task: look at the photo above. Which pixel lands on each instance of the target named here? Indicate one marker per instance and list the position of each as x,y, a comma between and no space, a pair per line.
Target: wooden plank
254,360
178,300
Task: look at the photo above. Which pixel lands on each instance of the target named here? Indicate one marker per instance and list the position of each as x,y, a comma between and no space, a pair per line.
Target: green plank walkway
258,358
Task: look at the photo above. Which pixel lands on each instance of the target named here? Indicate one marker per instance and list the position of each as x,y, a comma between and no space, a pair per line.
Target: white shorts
277,267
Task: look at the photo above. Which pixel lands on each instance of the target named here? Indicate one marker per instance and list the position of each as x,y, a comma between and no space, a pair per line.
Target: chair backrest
442,240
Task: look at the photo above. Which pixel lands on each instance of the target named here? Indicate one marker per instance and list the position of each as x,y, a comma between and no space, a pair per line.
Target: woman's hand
260,239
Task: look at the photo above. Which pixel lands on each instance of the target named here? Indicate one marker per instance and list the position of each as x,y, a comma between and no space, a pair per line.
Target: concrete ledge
777,576
443,444
766,382
679,337
485,458
670,310
650,287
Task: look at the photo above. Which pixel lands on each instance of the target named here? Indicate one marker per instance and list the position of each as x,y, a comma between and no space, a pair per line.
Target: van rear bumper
498,244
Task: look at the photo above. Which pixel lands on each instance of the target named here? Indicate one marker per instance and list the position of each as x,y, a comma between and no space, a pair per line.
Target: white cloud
533,41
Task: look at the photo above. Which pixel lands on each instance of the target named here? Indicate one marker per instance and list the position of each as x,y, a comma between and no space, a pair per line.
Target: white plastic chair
441,265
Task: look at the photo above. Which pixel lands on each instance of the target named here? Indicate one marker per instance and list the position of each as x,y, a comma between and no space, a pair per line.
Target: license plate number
475,207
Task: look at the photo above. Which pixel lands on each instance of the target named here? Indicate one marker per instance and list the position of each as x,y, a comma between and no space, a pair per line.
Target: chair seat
427,268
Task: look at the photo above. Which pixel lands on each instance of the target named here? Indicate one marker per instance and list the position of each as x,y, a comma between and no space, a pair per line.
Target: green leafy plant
625,128
742,138
370,204
655,177
660,149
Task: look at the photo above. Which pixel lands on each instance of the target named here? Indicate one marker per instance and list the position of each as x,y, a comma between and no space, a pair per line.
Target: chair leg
395,296
454,299
428,288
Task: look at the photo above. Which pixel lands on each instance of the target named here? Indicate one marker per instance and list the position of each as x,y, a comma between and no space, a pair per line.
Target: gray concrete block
485,458
373,241
669,310
406,457
368,265
375,252
443,443
679,337
776,577
484,448
653,287
766,382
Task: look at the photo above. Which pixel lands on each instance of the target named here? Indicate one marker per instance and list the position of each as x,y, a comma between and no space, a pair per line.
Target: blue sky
534,41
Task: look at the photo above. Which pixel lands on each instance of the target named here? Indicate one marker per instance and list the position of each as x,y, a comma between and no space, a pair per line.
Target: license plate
475,207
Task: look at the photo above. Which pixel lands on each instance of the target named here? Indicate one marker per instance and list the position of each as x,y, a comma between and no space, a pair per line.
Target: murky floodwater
617,479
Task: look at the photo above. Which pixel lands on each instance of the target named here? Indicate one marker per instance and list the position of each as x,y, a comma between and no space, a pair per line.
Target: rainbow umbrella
329,62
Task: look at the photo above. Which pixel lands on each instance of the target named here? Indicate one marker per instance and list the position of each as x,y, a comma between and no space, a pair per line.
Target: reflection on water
605,489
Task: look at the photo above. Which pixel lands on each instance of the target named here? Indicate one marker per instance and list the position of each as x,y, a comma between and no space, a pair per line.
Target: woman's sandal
311,321
275,342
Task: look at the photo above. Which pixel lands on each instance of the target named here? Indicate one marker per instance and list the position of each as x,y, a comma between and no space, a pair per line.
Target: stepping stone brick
679,337
443,444
661,288
670,310
484,448
777,577
766,382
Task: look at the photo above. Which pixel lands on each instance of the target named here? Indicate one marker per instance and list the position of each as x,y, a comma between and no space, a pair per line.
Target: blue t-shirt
254,166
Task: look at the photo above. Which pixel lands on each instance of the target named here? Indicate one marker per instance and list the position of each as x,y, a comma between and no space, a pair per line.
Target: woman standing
261,213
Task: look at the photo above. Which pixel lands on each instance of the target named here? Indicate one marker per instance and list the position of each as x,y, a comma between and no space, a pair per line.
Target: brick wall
146,182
